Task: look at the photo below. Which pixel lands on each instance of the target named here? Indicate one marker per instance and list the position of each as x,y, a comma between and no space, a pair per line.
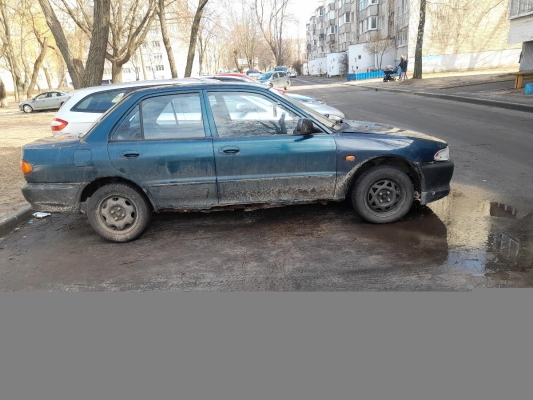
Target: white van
86,105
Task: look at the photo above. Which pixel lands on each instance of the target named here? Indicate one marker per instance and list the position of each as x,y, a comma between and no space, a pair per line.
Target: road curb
9,222
462,99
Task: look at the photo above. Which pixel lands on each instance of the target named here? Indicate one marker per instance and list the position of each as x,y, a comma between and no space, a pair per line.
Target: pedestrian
403,66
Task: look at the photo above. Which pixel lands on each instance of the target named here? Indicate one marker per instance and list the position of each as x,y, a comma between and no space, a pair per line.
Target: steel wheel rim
27,108
117,213
383,196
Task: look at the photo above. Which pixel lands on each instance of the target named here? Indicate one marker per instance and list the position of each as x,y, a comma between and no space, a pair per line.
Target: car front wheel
27,108
382,195
119,212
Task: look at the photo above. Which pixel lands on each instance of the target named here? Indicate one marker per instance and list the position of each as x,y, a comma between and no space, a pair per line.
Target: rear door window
102,101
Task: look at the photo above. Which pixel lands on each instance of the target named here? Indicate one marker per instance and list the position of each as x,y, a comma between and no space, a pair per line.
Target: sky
302,10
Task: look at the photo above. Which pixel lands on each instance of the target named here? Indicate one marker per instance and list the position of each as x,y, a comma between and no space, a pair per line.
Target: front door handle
131,154
229,150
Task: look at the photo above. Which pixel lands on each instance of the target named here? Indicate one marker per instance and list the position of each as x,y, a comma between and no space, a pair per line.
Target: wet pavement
456,244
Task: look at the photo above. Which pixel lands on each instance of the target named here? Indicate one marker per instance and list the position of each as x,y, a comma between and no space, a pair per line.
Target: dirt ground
18,128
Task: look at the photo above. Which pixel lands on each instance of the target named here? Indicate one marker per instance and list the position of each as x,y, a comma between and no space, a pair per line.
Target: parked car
85,106
254,73
235,76
281,68
52,100
292,74
277,79
214,145
317,105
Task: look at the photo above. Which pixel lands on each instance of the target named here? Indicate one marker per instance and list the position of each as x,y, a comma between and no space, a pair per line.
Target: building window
402,38
365,3
159,67
404,7
519,8
156,44
158,56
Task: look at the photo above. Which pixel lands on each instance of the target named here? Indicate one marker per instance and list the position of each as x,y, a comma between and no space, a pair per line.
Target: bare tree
166,39
272,17
378,45
194,35
3,94
344,64
417,74
10,53
98,31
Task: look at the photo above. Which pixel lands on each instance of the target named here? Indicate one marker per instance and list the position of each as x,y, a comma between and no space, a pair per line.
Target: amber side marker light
25,167
350,158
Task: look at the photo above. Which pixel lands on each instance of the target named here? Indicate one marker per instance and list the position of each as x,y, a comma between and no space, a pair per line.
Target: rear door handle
229,150
131,154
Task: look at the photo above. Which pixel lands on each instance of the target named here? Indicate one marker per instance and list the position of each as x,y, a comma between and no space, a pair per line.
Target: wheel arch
98,183
390,161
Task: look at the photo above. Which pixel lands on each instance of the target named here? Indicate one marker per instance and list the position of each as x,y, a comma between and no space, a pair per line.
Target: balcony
370,11
331,38
345,28
402,21
346,8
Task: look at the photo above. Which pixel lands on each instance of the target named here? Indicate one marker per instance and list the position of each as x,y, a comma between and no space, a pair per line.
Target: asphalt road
480,235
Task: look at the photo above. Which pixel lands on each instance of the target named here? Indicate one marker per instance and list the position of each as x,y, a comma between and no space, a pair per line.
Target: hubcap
117,212
383,195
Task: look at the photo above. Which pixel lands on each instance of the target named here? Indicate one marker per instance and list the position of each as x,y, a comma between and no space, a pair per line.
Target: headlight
333,117
442,155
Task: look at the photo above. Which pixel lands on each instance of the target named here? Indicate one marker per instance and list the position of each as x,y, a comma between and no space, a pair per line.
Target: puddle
485,238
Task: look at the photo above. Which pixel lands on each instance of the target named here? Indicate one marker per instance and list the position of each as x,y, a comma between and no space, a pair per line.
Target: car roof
79,94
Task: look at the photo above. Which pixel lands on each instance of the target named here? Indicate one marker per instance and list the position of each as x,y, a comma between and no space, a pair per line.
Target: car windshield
268,75
331,124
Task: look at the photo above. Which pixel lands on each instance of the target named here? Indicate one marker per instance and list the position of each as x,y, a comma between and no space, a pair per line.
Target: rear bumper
435,182
54,197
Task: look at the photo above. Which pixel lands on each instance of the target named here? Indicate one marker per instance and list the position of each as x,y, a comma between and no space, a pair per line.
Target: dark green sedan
204,145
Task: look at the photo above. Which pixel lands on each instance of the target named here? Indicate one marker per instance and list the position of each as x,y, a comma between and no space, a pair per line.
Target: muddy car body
204,146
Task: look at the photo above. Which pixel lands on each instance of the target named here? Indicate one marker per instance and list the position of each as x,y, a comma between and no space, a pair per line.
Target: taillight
58,124
25,167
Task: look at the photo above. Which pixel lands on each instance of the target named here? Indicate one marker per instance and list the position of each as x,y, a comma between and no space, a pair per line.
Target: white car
85,106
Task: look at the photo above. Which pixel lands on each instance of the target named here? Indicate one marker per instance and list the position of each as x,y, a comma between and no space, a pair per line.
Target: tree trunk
116,72
417,74
3,95
94,68
91,75
194,36
143,66
37,67
166,40
48,78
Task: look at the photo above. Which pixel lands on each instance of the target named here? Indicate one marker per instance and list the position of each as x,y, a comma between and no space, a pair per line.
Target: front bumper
54,197
435,180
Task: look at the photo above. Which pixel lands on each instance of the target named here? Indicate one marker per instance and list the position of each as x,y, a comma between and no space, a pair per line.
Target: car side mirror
304,126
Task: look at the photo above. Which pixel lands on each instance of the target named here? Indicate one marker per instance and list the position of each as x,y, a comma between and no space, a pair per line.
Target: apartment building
351,36
521,30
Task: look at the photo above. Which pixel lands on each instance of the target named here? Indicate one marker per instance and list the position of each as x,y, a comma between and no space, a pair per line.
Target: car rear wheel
27,108
382,195
119,212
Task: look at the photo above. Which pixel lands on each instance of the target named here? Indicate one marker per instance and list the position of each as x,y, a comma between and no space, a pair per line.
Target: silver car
319,106
52,100
276,79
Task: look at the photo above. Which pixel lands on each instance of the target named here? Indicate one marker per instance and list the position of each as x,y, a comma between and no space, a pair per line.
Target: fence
366,75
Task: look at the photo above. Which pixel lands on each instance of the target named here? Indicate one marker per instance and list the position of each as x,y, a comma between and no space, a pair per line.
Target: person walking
403,66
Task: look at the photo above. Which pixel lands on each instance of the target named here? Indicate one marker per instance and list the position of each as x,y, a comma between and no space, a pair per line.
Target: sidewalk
490,88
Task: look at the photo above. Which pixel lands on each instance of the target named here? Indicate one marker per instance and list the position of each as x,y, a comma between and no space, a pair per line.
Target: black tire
382,195
27,108
126,205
